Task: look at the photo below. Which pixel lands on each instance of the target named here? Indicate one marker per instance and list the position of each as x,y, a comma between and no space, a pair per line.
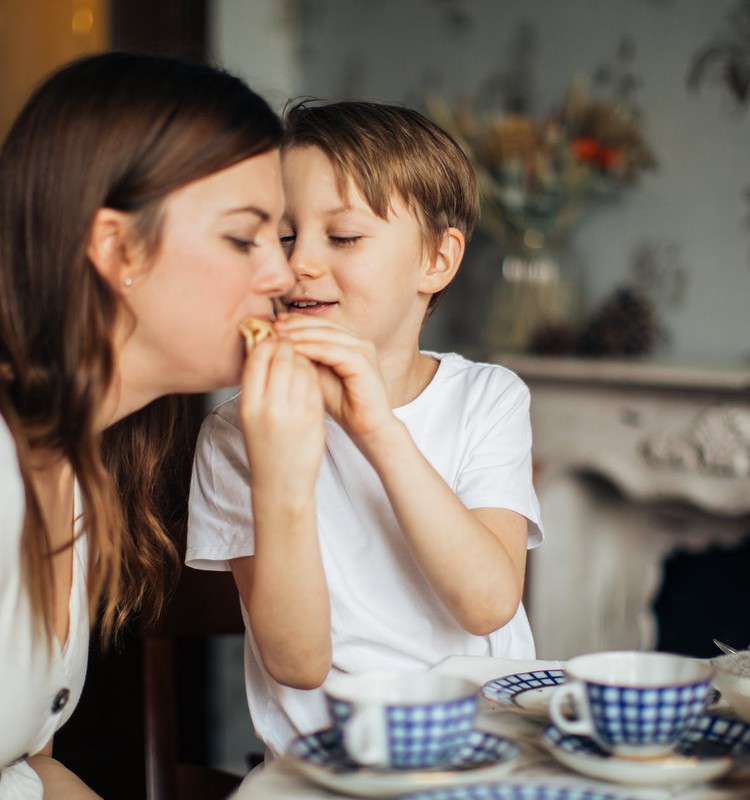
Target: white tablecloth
279,781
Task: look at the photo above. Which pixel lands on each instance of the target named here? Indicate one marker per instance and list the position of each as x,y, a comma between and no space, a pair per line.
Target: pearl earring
127,281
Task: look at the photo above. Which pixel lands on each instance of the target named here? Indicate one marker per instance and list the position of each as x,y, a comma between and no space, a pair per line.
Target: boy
409,544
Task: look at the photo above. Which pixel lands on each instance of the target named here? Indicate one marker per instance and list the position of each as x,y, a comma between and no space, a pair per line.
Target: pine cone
553,339
625,326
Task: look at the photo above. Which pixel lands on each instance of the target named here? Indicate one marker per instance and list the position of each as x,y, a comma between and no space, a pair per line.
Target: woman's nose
276,276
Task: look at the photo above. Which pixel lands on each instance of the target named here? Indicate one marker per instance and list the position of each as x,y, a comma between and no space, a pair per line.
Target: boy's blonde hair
389,150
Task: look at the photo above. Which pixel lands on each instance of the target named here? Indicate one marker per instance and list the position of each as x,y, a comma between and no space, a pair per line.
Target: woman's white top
472,424
39,686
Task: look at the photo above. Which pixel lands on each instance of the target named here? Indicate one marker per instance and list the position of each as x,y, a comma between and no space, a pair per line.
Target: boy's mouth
307,306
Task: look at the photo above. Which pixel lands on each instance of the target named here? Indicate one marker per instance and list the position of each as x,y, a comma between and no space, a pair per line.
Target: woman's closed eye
241,244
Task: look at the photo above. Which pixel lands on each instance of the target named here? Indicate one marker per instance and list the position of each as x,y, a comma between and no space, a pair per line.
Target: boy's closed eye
287,240
344,241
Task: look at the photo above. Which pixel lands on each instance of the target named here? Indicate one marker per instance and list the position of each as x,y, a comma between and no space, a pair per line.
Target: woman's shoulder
9,469
12,496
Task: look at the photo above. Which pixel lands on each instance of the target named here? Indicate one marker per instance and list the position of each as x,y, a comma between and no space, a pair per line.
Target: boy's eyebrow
259,212
330,212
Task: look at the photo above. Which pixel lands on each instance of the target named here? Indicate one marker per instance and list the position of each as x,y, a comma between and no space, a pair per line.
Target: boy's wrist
384,442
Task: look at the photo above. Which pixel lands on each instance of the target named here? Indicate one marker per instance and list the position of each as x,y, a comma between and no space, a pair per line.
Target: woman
139,205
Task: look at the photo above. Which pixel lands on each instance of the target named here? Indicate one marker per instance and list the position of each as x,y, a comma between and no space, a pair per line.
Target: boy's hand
349,374
281,408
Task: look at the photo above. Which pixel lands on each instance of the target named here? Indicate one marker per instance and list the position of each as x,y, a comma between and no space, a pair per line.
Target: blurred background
612,142
660,95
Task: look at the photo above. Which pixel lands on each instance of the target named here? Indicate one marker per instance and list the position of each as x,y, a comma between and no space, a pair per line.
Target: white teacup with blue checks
401,720
633,704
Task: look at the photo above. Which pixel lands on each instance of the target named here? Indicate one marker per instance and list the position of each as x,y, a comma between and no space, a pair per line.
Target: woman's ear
110,247
441,270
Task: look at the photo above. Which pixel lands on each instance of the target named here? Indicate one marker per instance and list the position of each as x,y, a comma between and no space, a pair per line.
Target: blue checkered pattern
482,749
516,791
571,743
507,689
425,734
419,735
709,736
326,749
637,715
716,736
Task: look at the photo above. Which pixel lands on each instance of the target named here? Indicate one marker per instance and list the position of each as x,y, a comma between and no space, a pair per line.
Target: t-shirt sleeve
498,468
220,521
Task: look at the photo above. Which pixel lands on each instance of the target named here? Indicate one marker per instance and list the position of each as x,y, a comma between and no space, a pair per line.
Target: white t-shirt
39,688
472,424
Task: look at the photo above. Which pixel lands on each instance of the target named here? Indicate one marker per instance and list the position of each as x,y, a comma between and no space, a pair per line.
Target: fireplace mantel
633,460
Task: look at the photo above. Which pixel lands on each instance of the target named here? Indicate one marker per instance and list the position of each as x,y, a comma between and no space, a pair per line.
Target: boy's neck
406,376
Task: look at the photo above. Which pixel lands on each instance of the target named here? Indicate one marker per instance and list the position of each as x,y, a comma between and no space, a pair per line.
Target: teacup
633,704
401,720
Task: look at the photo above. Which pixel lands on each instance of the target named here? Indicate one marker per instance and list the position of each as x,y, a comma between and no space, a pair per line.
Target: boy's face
351,266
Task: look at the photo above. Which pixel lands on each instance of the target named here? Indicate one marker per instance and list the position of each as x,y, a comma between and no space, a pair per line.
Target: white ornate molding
657,432
733,379
717,443
674,442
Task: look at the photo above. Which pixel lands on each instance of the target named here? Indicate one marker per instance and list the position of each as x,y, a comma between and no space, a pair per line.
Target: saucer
519,791
524,691
321,758
705,752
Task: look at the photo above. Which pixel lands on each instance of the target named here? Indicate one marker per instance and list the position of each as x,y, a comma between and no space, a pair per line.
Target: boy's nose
305,264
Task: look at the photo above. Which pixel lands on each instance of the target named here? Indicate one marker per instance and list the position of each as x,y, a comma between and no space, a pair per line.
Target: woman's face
220,261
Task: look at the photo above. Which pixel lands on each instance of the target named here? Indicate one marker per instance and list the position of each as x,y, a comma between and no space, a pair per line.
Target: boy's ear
110,247
441,270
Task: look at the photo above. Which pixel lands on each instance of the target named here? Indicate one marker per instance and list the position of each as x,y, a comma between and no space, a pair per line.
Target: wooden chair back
205,604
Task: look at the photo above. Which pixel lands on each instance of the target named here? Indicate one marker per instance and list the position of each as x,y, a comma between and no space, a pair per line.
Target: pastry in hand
256,330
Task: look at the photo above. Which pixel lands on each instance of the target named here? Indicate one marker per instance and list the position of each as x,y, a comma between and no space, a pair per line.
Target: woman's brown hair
122,131
387,150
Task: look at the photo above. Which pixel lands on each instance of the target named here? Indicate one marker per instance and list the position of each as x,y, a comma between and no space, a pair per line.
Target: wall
258,38
692,210
38,35
694,204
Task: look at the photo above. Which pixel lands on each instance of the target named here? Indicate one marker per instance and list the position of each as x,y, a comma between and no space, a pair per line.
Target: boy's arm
474,559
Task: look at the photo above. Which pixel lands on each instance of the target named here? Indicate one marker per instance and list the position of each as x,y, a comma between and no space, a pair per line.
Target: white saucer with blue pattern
707,751
321,758
519,791
525,691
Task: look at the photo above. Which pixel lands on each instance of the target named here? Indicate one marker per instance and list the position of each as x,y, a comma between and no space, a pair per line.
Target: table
279,781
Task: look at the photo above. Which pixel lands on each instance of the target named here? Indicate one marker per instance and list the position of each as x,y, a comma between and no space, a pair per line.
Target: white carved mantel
669,451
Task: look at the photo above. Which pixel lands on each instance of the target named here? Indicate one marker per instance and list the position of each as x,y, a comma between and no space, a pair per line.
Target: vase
535,292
